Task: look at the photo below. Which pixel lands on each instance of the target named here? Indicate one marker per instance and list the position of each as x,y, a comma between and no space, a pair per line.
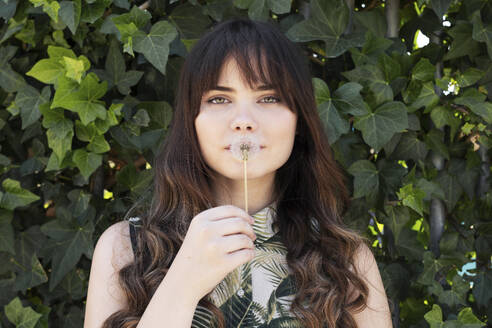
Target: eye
270,100
217,100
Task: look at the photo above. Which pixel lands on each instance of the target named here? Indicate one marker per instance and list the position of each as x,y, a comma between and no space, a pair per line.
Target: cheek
201,132
207,134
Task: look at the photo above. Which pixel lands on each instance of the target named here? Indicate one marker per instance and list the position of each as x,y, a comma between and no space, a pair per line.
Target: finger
227,211
233,243
240,257
234,225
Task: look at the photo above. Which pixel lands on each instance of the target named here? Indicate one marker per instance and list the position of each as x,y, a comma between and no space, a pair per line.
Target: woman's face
233,110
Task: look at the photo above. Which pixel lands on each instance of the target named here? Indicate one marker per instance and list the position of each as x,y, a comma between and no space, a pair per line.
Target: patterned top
258,293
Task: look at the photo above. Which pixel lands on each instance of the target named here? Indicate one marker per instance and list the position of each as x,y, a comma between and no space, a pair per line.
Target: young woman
198,259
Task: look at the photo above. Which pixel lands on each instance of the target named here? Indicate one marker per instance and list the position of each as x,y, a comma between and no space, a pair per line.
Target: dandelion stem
244,150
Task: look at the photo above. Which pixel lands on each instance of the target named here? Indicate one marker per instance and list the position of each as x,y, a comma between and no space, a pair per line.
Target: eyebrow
262,87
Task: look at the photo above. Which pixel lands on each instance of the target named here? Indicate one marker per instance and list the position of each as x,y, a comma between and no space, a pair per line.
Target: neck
260,192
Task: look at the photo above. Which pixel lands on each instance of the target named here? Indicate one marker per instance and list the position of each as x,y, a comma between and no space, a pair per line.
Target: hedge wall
403,88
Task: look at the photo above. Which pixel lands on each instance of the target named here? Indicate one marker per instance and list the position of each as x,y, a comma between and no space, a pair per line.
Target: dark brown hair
309,187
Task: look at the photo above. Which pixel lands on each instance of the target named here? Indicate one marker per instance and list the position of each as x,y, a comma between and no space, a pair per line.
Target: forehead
248,73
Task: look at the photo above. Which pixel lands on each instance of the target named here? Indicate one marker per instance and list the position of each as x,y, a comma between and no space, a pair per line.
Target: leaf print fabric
258,293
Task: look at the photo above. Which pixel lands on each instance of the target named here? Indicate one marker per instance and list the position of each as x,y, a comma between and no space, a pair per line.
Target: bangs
258,54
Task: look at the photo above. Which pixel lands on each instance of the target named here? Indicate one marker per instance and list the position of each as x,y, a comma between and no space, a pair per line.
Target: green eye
271,99
217,100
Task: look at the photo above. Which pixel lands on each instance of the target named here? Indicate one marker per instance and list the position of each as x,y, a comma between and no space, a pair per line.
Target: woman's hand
218,240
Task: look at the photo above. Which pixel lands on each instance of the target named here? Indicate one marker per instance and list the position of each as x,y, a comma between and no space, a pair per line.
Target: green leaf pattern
258,293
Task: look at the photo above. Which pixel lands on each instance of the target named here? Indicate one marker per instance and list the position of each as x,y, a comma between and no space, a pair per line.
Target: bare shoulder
364,259
117,239
105,296
377,312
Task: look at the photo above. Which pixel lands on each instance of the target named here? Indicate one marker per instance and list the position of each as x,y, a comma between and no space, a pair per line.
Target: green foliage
85,94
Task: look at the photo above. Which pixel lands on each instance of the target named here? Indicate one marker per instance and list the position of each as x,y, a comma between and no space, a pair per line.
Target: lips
229,147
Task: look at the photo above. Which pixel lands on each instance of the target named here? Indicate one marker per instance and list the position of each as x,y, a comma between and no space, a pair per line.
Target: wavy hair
309,188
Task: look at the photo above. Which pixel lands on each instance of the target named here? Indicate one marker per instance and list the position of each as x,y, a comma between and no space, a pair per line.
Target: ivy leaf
10,80
441,116
451,187
440,7
366,179
29,270
379,126
74,284
70,12
137,16
141,118
434,140
98,145
413,198
29,99
7,10
129,24
469,77
155,45
87,162
335,125
348,100
463,44
72,241
24,317
146,140
279,6
475,100
371,77
431,267
89,133
373,21
75,67
133,180
409,246
60,130
457,295
469,320
6,231
410,147
15,196
47,71
112,118
115,71
189,22
481,288
396,219
79,202
93,11
83,99
85,132
328,23
258,10
482,32
49,7
431,189
434,317
55,118
390,175
423,70
321,91
57,53
427,97
32,274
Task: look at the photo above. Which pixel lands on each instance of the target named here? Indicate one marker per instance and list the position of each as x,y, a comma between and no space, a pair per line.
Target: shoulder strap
134,224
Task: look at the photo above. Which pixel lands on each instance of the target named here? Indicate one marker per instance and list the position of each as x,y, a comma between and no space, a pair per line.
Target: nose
243,121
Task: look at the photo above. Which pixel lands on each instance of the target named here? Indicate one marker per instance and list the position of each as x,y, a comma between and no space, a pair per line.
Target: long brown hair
310,188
